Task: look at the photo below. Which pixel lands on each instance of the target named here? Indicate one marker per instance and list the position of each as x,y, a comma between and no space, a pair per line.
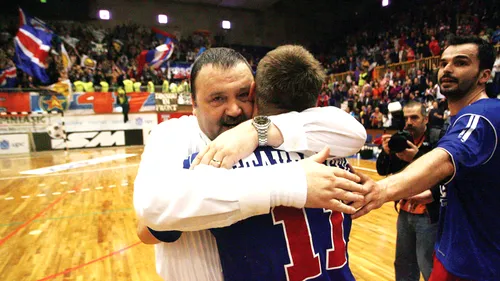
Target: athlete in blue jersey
466,161
288,243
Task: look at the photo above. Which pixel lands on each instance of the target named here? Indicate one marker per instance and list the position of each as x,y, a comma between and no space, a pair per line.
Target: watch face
261,120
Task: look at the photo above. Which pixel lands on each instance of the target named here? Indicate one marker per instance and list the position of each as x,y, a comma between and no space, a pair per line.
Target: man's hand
326,186
409,153
229,147
374,199
385,143
144,235
422,198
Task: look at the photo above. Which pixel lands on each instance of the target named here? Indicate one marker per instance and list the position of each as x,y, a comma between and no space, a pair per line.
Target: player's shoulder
481,111
487,108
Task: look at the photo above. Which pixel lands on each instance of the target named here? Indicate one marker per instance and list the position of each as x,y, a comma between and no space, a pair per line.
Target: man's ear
193,104
251,93
484,76
193,101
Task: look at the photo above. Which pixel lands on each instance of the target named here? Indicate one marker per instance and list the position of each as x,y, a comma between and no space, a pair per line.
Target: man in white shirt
167,197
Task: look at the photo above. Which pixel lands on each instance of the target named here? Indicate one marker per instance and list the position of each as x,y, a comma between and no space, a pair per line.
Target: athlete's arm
468,144
420,175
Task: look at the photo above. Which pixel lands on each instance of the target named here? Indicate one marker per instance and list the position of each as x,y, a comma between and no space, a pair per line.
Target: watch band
261,125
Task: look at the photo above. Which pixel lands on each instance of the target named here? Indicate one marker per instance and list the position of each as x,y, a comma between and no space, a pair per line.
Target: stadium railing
379,71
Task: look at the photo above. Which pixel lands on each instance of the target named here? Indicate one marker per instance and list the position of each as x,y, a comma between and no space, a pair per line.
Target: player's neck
475,95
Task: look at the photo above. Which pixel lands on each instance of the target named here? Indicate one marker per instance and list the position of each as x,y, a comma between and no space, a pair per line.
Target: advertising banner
28,123
13,144
166,102
77,104
98,131
165,116
109,122
89,140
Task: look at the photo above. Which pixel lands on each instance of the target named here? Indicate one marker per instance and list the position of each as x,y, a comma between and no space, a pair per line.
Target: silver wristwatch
261,124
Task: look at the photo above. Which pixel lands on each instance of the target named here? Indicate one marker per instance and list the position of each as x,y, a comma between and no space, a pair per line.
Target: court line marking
71,173
130,149
39,214
72,216
68,270
76,164
58,193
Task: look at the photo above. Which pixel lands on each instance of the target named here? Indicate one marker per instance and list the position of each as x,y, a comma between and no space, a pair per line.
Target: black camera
398,141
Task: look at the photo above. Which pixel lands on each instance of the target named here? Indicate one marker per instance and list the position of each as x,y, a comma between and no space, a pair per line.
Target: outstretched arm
424,173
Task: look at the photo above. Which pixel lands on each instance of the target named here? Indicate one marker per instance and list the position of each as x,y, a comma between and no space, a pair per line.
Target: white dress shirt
168,197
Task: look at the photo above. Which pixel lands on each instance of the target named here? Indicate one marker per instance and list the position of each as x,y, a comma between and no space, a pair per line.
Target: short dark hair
486,52
223,58
423,109
288,78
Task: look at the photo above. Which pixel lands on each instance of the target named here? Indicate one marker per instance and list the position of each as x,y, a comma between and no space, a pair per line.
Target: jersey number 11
304,263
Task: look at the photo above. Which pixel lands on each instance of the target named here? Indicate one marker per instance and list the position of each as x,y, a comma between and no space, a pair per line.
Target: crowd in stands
405,40
103,58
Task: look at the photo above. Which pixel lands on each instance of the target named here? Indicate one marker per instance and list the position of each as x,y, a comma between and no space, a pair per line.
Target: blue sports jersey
468,244
289,243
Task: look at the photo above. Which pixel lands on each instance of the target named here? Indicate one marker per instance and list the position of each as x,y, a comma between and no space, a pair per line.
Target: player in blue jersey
467,162
288,243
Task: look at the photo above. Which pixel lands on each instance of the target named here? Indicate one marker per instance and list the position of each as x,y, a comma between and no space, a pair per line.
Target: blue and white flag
156,57
8,77
32,44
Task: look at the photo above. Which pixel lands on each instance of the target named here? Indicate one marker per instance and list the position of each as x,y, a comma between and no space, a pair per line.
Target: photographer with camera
417,220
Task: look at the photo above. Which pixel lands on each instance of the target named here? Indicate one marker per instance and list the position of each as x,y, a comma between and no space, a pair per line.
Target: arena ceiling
241,4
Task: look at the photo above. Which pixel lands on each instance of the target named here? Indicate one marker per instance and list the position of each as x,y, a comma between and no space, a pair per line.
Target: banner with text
28,123
13,144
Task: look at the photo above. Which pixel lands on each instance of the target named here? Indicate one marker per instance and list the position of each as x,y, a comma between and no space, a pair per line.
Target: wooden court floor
79,224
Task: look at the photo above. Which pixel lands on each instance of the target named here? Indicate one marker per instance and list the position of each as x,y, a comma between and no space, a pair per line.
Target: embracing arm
168,197
308,131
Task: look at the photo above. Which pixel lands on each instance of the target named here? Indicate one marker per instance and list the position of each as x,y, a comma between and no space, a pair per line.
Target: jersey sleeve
166,236
470,142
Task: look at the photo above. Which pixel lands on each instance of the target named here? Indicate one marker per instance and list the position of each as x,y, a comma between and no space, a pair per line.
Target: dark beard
455,95
458,93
